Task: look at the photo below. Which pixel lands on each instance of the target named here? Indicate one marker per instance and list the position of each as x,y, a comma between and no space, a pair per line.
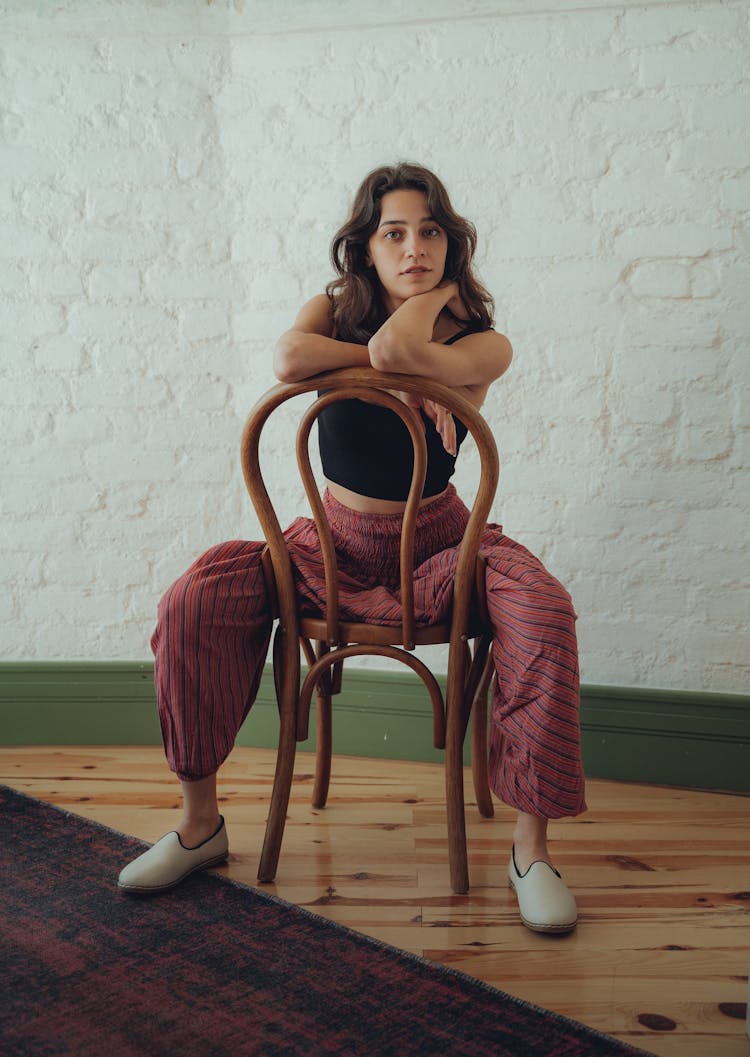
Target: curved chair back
373,386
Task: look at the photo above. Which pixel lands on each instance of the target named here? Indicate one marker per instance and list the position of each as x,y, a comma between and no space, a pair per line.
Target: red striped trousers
213,631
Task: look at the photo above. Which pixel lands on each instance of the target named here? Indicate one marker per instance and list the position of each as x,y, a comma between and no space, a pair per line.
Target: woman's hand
444,424
454,304
440,416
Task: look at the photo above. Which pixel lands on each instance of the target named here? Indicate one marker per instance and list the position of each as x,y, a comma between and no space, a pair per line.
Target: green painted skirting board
683,738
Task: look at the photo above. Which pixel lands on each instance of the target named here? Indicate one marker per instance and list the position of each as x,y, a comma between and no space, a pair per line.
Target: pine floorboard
662,878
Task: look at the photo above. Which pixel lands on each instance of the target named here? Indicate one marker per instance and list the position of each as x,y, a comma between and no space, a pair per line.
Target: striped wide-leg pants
213,631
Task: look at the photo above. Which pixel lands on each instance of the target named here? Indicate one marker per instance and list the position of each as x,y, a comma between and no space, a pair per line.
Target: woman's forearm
299,355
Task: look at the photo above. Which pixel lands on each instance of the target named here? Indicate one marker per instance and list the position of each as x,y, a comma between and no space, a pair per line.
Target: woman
405,301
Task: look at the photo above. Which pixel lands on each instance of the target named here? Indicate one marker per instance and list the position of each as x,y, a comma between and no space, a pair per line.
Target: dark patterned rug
217,969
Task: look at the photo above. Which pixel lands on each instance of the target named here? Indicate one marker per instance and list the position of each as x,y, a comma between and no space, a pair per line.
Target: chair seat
315,628
431,635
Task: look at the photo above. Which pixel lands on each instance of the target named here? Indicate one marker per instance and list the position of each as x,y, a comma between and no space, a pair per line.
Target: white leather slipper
544,900
168,862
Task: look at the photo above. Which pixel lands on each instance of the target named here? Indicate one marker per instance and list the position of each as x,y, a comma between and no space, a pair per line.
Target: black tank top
367,448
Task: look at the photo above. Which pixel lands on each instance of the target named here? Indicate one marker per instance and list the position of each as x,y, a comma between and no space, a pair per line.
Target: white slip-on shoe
168,862
545,903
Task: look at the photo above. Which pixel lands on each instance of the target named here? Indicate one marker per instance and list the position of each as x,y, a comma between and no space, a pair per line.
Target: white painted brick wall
170,177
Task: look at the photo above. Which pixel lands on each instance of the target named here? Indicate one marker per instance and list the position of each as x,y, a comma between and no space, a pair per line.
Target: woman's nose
413,246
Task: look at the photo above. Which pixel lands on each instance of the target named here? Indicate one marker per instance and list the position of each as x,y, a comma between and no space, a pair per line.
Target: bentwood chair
327,640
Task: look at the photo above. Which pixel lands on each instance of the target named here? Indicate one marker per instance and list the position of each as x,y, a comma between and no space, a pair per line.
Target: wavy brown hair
356,298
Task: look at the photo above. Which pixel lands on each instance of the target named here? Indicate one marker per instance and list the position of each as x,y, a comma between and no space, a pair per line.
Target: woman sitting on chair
406,301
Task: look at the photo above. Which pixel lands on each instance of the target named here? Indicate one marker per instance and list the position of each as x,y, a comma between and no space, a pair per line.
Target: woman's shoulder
454,329
463,329
316,315
320,303
485,338
483,345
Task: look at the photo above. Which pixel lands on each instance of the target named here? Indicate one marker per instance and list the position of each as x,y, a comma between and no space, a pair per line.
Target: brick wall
170,178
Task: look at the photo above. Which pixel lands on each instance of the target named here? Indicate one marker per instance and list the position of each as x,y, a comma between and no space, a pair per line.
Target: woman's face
408,248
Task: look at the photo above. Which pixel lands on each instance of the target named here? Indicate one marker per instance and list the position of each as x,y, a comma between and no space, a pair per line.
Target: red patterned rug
217,969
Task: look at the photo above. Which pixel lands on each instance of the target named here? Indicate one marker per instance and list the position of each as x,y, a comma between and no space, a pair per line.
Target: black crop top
367,448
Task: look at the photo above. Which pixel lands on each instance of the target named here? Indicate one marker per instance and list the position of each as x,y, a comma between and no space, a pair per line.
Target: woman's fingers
447,430
443,419
444,424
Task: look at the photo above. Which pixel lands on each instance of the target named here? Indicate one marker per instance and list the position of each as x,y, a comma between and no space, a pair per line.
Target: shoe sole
558,930
155,889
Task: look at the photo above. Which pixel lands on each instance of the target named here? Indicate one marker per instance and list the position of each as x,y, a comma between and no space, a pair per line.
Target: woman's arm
404,345
309,348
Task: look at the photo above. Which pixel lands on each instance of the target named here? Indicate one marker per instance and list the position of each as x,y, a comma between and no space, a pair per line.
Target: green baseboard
666,737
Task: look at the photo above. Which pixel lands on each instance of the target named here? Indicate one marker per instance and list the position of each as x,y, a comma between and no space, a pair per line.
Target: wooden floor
662,878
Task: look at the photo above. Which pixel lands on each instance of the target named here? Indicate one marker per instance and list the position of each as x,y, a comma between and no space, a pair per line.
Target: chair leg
282,785
323,713
324,734
479,743
287,681
454,794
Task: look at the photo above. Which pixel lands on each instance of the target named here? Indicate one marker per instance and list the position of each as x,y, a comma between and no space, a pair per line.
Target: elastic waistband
372,541
449,513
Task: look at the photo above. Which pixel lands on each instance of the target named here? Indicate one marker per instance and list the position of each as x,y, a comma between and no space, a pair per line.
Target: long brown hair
358,309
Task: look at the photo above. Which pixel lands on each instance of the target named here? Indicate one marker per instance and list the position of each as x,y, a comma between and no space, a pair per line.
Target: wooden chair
469,673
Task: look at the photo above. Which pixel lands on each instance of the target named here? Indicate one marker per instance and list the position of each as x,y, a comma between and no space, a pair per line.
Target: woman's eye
432,233
393,235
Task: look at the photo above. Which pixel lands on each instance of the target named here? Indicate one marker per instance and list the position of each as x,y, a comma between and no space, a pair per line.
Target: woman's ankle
530,841
526,854
200,817
195,831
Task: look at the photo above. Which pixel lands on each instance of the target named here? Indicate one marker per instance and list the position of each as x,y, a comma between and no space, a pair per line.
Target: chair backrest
374,386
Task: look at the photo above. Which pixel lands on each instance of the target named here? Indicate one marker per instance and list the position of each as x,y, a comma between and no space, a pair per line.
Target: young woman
406,301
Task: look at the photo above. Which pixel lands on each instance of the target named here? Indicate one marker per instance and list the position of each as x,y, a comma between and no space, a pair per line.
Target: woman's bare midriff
366,504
